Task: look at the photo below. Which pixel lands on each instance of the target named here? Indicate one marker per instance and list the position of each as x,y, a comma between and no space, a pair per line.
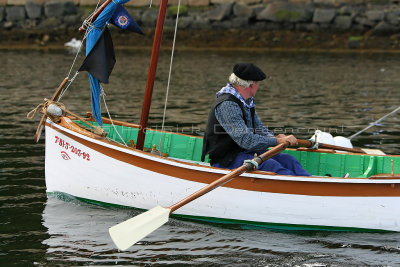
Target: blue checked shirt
230,116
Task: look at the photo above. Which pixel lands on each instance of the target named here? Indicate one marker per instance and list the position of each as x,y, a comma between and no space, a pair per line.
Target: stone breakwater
40,16
303,15
365,18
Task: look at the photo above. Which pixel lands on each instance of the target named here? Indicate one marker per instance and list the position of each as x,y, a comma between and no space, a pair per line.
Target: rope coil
53,114
43,108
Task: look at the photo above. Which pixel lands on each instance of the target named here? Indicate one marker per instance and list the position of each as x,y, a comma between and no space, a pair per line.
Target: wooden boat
92,168
102,170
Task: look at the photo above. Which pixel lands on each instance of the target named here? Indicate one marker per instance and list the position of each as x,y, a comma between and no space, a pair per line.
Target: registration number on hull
71,148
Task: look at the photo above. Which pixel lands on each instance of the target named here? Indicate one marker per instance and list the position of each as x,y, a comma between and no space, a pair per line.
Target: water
341,93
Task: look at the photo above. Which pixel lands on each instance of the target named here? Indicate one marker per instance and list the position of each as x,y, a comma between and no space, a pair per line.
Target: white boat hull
94,175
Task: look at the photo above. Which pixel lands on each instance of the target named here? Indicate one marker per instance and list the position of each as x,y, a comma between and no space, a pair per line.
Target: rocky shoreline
291,24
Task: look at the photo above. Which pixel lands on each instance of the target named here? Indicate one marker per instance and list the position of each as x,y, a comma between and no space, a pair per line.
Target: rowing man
234,131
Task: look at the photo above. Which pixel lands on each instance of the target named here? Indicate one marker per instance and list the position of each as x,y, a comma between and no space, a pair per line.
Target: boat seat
385,176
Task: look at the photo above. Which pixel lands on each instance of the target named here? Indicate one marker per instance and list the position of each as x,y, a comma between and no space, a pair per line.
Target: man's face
249,92
253,89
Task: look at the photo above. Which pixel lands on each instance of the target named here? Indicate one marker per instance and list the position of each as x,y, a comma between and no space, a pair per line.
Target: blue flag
93,36
123,20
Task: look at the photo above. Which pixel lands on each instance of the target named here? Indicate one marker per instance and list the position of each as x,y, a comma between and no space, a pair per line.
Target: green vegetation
379,2
173,10
355,38
288,15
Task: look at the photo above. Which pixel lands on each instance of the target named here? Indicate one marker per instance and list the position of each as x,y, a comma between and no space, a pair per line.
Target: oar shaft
304,143
307,143
224,179
353,150
228,177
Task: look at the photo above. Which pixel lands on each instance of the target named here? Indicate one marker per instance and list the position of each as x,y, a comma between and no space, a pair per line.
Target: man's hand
281,138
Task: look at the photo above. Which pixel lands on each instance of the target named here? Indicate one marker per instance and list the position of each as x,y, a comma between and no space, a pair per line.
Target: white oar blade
131,231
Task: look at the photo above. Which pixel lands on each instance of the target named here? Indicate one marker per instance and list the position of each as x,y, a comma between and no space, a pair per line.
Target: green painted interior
321,164
337,165
175,145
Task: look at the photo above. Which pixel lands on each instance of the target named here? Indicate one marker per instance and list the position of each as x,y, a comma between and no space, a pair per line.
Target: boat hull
99,171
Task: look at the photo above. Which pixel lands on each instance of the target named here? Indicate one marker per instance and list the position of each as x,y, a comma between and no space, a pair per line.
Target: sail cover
95,32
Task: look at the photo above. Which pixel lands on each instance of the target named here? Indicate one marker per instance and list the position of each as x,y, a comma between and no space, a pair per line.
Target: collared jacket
231,128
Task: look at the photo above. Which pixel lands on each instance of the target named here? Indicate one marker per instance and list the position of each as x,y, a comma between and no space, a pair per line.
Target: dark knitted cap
249,72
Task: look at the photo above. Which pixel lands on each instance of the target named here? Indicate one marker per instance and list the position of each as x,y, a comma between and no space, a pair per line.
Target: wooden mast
152,74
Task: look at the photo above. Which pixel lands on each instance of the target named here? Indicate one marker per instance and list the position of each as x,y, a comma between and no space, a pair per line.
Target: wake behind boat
115,163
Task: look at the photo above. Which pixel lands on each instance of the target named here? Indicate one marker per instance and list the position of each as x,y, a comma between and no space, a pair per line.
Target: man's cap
248,72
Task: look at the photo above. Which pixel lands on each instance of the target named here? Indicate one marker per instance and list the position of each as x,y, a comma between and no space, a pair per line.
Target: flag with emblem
123,20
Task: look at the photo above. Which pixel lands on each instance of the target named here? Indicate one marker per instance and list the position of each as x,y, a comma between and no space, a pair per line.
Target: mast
152,74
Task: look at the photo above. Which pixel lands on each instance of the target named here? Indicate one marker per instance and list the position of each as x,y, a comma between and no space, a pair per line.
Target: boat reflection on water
78,235
77,231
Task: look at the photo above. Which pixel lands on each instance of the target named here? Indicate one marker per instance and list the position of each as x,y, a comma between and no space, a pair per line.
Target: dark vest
217,143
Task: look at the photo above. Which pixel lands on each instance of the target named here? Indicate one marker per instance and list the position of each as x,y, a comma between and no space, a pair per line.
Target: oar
375,123
131,231
43,119
307,143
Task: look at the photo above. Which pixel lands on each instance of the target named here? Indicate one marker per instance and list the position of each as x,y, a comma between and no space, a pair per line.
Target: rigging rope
87,31
169,74
49,108
98,129
55,114
374,123
103,94
89,28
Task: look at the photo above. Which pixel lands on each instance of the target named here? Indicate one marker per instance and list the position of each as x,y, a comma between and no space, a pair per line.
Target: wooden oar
307,143
43,119
131,231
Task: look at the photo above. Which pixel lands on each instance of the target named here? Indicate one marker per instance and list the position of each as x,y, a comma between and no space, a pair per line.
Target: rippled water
340,93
